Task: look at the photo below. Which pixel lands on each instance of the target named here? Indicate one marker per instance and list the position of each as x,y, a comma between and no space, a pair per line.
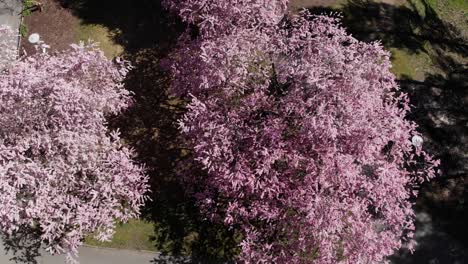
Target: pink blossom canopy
302,135
61,170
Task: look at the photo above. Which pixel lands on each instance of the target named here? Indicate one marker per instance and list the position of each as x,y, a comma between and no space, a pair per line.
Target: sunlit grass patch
103,36
136,234
412,65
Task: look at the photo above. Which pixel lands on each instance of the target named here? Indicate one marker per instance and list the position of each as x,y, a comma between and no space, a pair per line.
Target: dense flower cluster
214,17
302,134
61,171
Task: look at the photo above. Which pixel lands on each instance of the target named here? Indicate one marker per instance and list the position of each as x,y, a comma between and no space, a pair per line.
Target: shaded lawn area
429,44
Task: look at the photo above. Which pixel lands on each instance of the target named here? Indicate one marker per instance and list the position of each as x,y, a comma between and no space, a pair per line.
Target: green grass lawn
102,35
451,4
136,234
448,10
416,66
410,65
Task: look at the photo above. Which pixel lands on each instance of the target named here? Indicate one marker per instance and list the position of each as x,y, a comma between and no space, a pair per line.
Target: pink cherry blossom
62,171
301,133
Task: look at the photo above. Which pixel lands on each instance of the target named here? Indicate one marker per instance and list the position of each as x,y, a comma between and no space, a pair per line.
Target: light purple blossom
301,132
61,170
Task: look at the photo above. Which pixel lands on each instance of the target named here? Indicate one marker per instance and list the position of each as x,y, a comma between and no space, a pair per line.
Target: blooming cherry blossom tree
302,135
215,17
62,172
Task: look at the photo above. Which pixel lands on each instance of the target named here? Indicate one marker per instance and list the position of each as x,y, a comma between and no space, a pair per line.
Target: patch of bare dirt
55,24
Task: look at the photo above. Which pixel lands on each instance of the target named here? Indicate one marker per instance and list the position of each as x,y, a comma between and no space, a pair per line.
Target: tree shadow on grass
148,33
150,127
441,111
400,27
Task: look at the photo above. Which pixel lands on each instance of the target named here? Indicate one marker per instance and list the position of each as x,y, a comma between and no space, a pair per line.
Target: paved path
10,15
435,246
90,255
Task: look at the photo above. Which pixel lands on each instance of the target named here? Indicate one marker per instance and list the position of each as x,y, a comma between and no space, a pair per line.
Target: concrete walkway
10,13
10,16
91,255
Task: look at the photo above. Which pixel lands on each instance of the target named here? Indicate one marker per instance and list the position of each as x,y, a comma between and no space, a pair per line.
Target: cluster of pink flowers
214,17
62,171
301,132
